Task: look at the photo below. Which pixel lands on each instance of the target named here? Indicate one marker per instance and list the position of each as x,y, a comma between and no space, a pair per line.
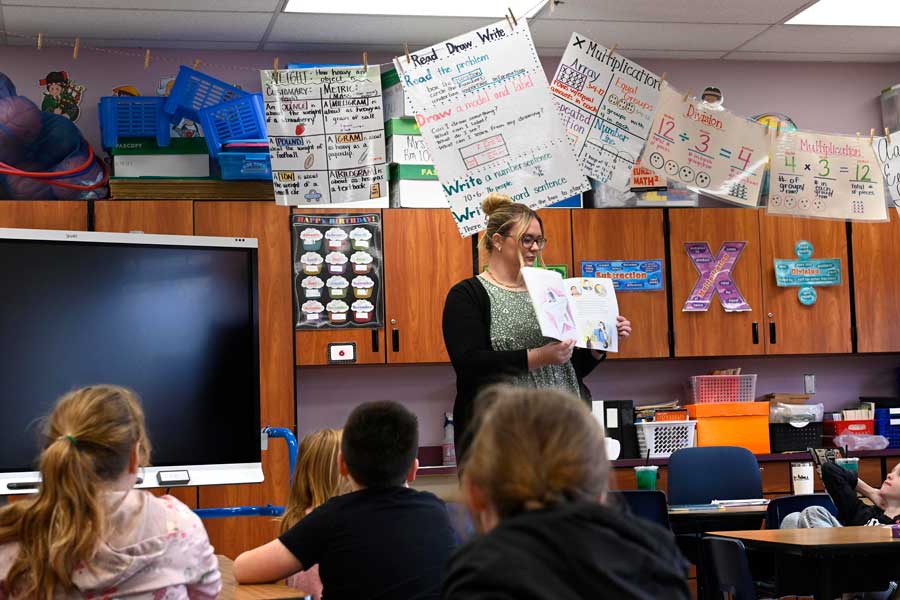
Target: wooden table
270,591
756,510
833,553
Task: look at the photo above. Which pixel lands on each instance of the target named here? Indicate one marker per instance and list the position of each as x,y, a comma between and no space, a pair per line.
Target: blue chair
701,475
727,569
779,508
647,504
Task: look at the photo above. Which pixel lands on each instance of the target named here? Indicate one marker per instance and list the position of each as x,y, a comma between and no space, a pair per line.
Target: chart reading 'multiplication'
606,104
326,134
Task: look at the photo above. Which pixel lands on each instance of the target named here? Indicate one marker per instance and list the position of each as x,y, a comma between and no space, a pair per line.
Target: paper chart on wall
326,134
716,153
487,117
888,154
826,176
606,104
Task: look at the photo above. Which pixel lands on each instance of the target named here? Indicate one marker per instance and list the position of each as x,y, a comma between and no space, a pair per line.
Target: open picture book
583,309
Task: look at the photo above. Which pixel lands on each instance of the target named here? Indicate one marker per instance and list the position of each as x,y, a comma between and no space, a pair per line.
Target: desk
270,591
859,549
756,510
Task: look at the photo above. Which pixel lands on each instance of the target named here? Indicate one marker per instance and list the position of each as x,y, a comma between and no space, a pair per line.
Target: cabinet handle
374,340
395,340
755,332
772,333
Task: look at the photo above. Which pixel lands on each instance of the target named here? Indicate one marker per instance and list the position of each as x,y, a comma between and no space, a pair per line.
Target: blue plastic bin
194,90
239,119
127,116
245,165
883,426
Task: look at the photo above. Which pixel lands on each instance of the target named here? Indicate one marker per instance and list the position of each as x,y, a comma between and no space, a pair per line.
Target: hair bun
493,201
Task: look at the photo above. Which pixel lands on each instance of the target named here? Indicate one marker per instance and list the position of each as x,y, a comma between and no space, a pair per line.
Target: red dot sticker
300,129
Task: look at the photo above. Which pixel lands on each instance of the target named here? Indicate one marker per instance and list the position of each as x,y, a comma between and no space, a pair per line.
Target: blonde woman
535,480
316,479
490,328
88,532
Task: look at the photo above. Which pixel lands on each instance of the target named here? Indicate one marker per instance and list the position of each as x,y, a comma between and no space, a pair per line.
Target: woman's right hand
554,353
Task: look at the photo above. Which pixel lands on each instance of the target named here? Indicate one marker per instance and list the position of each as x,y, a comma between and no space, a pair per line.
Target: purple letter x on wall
715,277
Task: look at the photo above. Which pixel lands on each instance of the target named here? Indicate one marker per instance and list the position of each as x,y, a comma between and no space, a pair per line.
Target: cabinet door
35,214
424,256
791,327
269,224
716,332
628,234
558,231
876,283
171,217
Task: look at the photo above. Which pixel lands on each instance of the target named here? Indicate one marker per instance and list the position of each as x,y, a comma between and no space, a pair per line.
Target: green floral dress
514,326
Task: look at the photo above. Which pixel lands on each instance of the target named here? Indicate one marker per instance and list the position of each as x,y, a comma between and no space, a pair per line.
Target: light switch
342,353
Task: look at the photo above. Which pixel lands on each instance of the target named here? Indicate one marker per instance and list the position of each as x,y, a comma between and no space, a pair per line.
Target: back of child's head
380,443
535,449
316,476
88,441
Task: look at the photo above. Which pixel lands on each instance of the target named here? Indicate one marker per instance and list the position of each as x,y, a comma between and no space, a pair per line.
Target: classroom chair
647,504
779,508
727,569
701,475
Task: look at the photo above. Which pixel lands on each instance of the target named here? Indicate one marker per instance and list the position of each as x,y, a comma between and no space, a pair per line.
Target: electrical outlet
809,384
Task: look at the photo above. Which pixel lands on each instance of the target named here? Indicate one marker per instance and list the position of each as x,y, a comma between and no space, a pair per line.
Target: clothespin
275,67
197,62
512,16
663,79
686,94
40,41
76,48
613,50
553,4
406,48
510,23
871,136
366,61
778,129
887,134
147,59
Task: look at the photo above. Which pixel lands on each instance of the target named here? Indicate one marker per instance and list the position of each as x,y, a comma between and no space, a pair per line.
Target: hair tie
72,439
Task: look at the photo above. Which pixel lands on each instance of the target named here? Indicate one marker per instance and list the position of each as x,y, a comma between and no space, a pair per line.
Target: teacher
491,330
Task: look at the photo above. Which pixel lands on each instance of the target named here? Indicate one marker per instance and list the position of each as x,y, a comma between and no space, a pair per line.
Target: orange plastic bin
744,424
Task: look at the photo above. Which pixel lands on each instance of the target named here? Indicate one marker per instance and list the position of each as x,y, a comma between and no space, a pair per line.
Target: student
88,532
316,479
842,485
383,539
535,479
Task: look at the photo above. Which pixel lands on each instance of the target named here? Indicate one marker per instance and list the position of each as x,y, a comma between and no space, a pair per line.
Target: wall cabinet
170,217
876,281
39,214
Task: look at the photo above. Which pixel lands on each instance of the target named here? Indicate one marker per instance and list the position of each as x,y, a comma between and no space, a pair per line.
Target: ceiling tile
129,24
862,57
189,5
830,40
677,11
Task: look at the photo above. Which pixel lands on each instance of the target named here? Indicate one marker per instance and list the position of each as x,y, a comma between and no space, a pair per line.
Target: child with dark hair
381,540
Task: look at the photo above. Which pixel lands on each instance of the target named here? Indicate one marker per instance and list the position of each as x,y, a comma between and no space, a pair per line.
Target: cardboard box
396,103
416,186
744,424
404,143
143,157
788,398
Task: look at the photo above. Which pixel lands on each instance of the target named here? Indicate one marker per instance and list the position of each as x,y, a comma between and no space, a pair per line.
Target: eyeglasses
528,241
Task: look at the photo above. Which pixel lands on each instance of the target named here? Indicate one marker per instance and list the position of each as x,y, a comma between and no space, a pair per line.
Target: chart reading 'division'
326,134
606,103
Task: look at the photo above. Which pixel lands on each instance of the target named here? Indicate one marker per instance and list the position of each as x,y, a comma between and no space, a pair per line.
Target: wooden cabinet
424,256
558,231
791,327
269,224
628,234
38,214
716,332
172,217
876,281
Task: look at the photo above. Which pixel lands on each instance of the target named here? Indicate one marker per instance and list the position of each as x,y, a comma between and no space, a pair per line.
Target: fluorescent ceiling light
859,13
419,8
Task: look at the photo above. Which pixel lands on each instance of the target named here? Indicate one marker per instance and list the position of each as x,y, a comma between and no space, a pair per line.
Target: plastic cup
851,464
646,477
802,477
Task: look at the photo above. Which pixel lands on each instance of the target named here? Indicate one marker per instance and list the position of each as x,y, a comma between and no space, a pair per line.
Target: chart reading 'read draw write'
606,104
487,117
826,176
326,134
716,153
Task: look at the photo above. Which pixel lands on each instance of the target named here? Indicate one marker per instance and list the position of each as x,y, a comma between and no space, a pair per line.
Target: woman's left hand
623,326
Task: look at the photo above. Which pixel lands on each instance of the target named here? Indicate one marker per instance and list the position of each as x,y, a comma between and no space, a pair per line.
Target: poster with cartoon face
62,96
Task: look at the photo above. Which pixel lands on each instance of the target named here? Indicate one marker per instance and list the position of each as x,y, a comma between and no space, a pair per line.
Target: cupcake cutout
362,262
312,263
360,238
363,311
363,286
337,239
312,311
337,263
337,287
311,239
312,287
337,311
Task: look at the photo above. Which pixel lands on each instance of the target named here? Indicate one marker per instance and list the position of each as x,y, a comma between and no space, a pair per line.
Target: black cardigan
467,335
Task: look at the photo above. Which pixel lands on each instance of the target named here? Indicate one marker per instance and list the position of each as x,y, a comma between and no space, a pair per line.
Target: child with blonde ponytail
87,532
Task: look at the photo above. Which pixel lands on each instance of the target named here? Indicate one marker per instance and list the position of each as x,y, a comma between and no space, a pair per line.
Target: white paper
487,117
612,418
606,104
888,154
714,152
326,135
